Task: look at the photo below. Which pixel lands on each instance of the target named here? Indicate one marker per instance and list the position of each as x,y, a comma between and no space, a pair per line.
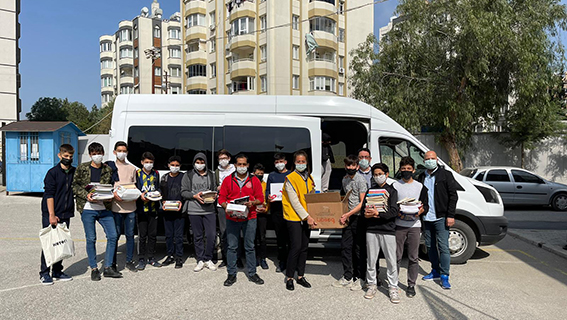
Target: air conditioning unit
212,27
341,70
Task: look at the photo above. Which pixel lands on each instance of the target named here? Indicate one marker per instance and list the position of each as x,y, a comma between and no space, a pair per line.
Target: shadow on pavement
443,310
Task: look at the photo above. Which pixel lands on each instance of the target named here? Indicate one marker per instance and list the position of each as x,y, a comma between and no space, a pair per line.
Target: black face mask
260,177
406,175
351,172
66,162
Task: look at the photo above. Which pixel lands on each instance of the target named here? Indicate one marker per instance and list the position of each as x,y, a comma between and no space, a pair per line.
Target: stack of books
378,198
172,205
409,208
153,196
209,196
101,191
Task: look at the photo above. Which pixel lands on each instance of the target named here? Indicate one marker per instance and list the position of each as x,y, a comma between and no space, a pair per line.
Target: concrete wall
548,159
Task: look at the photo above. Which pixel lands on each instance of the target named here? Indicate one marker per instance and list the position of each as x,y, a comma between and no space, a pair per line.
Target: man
364,162
442,198
327,159
241,184
224,170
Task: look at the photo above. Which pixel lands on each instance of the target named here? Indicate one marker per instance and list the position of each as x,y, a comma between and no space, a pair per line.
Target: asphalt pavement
510,280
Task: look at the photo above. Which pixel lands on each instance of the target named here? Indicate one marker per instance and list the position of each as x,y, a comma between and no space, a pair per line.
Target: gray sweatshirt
193,183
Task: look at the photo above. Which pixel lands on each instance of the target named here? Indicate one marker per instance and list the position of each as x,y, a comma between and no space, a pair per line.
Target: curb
560,253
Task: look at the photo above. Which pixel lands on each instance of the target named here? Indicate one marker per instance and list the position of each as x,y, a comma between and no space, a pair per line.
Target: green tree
452,65
101,118
47,109
77,113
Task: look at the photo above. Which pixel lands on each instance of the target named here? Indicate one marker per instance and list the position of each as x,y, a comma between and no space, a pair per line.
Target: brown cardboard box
327,209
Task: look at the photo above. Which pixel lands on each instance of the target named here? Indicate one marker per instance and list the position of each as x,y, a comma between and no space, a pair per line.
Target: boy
262,218
92,210
173,221
147,180
276,210
408,229
124,211
381,234
224,170
57,206
353,234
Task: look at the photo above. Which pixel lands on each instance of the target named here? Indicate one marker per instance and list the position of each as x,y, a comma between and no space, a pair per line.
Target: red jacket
230,190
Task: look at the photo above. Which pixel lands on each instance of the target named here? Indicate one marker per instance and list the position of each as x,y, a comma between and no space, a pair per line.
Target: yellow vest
302,188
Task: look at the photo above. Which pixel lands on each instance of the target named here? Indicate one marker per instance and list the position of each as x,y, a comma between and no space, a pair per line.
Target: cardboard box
237,210
327,209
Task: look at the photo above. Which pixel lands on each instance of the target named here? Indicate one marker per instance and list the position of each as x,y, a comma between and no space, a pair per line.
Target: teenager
262,218
173,220
326,162
225,169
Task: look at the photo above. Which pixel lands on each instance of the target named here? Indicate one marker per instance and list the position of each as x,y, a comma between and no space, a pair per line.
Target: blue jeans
437,242
106,220
233,229
126,222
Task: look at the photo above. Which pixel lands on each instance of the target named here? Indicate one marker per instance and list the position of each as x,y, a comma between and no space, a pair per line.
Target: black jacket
58,185
386,222
444,194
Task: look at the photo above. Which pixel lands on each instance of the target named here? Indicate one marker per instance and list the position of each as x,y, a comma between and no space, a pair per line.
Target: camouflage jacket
82,179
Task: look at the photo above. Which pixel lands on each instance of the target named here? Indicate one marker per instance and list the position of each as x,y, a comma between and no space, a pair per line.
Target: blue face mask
430,164
300,167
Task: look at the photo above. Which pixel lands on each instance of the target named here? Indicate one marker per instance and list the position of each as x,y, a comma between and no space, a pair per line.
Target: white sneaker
342,283
394,295
209,264
371,292
199,267
357,285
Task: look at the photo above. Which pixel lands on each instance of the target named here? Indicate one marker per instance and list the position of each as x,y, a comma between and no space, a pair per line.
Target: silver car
521,187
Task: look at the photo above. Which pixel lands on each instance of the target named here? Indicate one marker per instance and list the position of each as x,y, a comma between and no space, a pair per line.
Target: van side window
480,176
499,175
393,149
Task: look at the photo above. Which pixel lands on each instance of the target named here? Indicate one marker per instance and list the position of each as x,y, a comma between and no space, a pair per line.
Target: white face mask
241,170
174,169
97,158
200,166
223,163
380,179
121,155
364,164
148,166
300,167
280,166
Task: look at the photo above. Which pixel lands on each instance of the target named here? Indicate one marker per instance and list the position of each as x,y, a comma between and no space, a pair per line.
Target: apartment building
143,56
260,46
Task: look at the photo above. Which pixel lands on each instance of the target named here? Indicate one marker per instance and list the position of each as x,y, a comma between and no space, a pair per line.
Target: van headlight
491,196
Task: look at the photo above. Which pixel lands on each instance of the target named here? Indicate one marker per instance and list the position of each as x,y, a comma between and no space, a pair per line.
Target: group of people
205,196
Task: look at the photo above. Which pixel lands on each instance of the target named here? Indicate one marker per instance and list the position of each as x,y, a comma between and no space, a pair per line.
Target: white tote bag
56,243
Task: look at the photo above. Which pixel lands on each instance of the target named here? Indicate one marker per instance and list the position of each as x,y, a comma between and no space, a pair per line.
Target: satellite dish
145,11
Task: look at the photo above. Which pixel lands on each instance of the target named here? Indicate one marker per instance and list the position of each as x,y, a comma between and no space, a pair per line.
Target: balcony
196,83
243,68
106,55
126,79
195,6
107,71
196,57
243,86
246,9
195,33
247,40
322,66
322,9
326,39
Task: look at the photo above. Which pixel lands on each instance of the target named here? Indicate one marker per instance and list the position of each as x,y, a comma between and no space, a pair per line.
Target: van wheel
559,202
462,242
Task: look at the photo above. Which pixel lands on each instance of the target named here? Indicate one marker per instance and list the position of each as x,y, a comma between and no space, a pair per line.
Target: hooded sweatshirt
193,183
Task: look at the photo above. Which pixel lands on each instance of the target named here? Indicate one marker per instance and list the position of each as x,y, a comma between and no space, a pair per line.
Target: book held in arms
378,199
128,192
172,205
153,195
209,196
409,209
100,191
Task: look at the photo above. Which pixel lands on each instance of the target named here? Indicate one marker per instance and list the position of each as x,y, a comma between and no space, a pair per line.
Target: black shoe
178,264
115,267
222,264
130,265
264,264
95,275
302,281
289,285
280,267
230,280
110,273
378,282
565,247
239,264
168,261
153,262
141,265
410,292
256,279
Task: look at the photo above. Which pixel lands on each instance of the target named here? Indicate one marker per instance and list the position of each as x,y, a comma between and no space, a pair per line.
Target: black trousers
298,244
147,232
280,227
57,267
262,225
174,225
353,249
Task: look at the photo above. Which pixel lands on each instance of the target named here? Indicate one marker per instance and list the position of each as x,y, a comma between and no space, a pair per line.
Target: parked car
521,187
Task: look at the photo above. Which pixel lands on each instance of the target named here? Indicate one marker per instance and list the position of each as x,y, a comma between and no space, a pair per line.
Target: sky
60,44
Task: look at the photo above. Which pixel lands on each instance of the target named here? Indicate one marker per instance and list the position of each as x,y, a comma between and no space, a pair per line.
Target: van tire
462,240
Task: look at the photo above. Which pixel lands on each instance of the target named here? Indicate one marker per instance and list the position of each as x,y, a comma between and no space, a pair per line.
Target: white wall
84,142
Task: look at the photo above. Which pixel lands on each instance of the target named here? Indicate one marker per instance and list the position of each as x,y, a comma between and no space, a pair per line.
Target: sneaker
178,264
155,263
357,285
110,273
199,267
342,283
168,261
46,280
115,267
141,264
230,280
264,264
256,279
394,295
445,282
303,282
131,265
95,275
62,277
210,265
222,264
410,292
371,292
434,275
239,264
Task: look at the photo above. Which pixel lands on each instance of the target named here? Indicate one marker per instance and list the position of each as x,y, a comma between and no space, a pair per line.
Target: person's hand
249,204
343,219
143,197
370,212
450,222
261,209
311,222
90,197
179,206
218,188
223,205
420,211
199,197
53,220
116,197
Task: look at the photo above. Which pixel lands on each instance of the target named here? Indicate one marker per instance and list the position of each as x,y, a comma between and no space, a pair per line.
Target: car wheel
559,202
462,242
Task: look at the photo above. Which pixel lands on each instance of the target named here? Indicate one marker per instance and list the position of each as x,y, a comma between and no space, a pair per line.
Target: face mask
242,170
406,175
351,172
97,158
223,163
381,179
200,166
148,166
66,162
280,166
174,169
121,155
430,164
301,167
364,164
260,177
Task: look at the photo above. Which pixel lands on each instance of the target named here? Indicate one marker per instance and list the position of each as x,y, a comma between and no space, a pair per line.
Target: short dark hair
174,158
381,166
259,166
407,161
148,156
95,147
300,153
364,149
279,156
351,159
120,144
223,152
66,148
240,156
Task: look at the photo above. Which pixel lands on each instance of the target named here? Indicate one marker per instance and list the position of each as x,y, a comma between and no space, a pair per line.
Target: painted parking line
525,254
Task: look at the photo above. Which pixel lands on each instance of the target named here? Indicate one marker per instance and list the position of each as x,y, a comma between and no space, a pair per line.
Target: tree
452,65
77,113
47,109
101,118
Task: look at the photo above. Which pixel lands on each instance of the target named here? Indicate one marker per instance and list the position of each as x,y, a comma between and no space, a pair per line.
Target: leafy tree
102,118
47,109
450,66
77,113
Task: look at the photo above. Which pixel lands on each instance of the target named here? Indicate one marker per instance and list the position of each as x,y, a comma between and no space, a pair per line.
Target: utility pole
154,54
166,85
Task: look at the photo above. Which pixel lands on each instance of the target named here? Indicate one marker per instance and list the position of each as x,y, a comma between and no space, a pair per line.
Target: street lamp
154,54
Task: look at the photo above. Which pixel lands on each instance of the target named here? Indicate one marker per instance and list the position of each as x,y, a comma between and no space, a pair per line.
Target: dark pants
203,226
280,227
411,236
262,220
233,230
299,233
437,242
221,216
125,222
57,267
174,224
353,249
147,232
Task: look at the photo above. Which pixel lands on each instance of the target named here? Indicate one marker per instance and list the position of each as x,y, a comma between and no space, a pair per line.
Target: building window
295,52
175,90
212,18
197,70
175,72
136,32
174,33
264,83
124,35
195,19
263,53
245,84
322,84
105,46
157,71
157,32
295,82
212,45
34,141
174,52
106,97
106,81
341,7
136,72
197,91
213,70
193,47
242,26
341,89
341,35
341,62
214,91
23,147
263,23
322,24
125,52
327,1
295,22
126,90
106,64
136,53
